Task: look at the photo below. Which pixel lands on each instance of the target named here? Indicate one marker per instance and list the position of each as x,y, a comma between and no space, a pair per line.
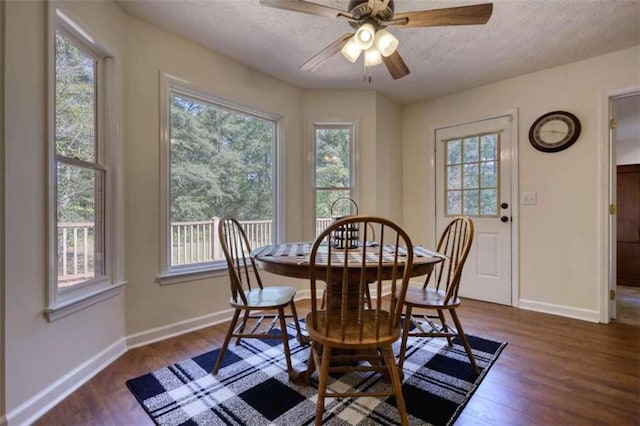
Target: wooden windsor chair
439,292
347,335
248,295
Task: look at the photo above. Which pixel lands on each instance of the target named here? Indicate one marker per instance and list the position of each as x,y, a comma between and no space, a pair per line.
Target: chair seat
431,298
268,297
351,332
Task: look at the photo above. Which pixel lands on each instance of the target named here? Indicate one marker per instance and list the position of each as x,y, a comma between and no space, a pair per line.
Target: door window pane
472,175
488,202
454,152
454,177
470,203
489,147
470,150
489,174
454,202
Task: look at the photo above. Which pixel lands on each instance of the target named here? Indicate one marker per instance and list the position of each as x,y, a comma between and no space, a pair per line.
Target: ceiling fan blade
396,66
462,15
307,7
313,63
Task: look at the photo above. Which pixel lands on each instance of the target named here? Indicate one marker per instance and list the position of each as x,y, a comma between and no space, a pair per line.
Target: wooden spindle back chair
439,292
347,334
250,298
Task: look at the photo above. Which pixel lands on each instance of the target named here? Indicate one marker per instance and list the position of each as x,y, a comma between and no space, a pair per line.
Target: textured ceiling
522,36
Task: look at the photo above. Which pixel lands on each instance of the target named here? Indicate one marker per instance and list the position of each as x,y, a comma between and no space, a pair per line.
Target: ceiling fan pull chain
367,75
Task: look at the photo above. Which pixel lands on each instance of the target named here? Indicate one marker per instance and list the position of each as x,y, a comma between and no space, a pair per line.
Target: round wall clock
554,131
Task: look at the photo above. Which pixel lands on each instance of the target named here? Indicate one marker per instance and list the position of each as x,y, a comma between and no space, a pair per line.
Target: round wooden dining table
292,260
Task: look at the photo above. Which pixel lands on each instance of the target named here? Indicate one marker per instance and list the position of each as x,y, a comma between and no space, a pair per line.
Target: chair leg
227,338
302,339
387,353
285,340
323,379
465,342
245,318
311,364
405,337
445,329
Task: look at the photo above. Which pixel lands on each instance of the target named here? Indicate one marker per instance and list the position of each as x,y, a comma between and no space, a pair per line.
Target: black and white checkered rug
252,387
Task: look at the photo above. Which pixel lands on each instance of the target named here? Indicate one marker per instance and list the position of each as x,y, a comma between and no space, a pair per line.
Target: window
472,175
82,201
333,172
219,161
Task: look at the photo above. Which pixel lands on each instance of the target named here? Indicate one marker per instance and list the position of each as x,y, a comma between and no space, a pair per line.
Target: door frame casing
608,197
515,199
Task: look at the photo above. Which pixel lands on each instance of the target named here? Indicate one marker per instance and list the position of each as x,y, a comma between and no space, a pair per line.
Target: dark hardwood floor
554,371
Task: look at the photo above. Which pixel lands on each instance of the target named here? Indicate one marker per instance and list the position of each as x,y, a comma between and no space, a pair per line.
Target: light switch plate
529,198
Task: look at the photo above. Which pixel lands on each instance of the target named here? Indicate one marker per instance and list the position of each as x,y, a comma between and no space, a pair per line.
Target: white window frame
173,85
63,302
353,164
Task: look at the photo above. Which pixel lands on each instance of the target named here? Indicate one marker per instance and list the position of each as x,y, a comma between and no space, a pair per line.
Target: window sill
192,275
79,303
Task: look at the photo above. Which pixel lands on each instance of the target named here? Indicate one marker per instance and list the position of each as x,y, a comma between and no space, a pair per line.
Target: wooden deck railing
191,242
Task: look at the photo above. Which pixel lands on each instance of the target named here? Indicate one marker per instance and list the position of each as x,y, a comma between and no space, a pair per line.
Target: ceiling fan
370,18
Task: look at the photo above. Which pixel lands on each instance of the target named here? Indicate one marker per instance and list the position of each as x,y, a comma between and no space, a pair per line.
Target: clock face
554,131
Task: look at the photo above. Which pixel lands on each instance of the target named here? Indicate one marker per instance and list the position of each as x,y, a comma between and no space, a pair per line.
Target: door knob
504,219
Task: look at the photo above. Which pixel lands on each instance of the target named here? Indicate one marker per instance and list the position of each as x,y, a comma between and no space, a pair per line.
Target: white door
473,178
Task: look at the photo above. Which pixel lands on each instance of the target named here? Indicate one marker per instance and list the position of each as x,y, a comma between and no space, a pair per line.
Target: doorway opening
624,221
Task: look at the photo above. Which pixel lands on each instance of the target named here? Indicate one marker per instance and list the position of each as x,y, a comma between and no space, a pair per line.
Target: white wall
39,353
151,50
388,167
628,152
561,239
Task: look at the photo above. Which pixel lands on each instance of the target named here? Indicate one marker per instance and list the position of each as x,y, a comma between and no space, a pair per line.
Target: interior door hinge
612,294
613,123
612,209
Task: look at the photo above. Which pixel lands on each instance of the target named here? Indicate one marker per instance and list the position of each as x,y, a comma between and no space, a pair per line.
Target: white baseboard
187,326
177,328
564,311
36,406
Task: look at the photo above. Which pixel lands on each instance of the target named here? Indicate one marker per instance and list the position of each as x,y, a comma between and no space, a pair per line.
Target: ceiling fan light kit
351,51
372,57
370,18
386,43
364,36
